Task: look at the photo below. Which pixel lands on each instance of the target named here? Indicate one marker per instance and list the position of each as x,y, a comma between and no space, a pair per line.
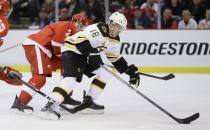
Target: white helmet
119,18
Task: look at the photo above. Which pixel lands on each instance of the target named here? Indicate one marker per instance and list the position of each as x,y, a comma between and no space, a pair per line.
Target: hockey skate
49,112
94,109
87,102
89,107
70,102
19,108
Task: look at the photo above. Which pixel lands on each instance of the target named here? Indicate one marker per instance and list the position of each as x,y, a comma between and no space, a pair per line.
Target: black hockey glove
132,71
94,60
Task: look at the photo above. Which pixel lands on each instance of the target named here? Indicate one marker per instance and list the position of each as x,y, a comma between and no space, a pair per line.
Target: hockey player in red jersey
5,6
4,25
42,51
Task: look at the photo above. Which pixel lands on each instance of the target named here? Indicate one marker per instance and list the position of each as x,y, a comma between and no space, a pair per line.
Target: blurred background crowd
141,14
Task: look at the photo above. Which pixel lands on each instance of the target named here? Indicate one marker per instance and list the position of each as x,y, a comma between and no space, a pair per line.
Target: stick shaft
139,93
46,96
11,47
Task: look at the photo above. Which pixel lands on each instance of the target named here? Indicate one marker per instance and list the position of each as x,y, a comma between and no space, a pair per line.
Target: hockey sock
63,90
26,94
97,86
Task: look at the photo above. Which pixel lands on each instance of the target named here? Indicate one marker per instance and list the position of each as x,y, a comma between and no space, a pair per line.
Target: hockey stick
11,47
166,77
180,121
10,12
43,94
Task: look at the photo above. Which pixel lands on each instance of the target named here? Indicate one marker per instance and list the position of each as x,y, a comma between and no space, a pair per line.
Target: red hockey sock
24,97
37,81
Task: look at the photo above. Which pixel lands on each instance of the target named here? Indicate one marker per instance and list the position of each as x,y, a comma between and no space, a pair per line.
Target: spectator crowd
141,14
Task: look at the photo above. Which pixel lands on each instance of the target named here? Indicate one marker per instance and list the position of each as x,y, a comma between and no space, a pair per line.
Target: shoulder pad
104,29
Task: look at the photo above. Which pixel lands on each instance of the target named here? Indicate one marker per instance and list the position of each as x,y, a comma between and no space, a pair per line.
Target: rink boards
152,50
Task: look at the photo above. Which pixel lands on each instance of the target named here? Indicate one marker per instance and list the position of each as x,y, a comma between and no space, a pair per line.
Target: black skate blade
89,111
48,116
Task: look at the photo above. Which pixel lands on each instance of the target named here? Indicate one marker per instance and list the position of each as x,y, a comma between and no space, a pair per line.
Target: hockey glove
9,76
12,73
132,71
94,60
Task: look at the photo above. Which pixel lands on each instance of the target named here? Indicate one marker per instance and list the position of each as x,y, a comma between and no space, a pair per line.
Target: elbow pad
121,65
85,48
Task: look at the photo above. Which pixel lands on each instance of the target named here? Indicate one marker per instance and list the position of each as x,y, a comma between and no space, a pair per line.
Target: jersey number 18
95,33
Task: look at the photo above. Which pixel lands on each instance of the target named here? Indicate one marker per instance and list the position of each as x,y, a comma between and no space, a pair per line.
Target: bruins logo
104,29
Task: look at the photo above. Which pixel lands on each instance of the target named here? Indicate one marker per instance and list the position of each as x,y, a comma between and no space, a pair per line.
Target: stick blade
188,120
168,77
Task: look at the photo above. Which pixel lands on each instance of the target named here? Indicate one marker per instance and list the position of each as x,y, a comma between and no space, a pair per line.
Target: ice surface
125,110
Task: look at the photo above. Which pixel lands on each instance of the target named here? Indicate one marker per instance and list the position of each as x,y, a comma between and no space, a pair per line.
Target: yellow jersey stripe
69,46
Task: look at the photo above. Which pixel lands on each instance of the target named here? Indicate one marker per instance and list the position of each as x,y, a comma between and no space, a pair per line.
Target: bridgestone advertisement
167,48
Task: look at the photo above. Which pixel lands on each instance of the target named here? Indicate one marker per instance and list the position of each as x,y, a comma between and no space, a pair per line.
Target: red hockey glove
8,76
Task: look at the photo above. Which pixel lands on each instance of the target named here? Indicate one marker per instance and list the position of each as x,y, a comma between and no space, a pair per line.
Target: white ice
182,96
